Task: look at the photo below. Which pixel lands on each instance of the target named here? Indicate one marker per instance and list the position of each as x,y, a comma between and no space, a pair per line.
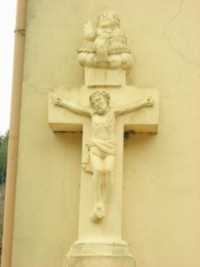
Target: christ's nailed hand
149,102
57,100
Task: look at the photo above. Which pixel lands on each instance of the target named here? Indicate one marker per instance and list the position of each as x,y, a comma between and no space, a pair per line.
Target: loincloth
101,149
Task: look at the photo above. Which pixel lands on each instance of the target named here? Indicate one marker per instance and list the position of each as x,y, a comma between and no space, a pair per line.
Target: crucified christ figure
101,155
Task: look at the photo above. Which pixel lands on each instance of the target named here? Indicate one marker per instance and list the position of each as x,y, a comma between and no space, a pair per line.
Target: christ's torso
103,126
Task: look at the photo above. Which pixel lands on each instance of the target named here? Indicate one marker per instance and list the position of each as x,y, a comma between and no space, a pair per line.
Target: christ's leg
109,163
99,209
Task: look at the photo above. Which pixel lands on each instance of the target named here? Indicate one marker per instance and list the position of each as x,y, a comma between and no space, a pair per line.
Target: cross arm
148,102
61,102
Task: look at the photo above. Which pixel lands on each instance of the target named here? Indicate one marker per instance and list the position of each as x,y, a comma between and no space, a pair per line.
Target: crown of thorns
104,94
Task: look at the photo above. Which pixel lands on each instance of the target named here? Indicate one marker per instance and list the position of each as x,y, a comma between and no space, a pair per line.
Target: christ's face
100,105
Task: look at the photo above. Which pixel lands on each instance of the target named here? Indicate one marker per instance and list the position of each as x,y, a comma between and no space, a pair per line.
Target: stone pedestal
99,255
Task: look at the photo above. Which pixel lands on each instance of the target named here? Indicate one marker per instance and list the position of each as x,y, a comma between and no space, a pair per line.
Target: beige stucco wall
161,218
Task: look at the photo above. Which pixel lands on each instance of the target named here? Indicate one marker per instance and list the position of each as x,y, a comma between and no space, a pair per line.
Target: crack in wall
169,41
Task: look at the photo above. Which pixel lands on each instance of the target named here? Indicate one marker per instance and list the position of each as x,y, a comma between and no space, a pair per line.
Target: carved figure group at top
106,46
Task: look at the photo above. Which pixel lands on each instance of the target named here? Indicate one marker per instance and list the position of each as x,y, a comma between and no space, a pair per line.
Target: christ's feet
98,212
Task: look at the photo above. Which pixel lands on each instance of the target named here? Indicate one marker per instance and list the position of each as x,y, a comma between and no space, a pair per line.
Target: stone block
104,77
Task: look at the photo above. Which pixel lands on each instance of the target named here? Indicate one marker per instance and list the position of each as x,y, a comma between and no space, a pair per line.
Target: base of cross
98,255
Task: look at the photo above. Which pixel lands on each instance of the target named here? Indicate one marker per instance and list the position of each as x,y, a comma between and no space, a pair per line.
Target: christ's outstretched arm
61,102
148,102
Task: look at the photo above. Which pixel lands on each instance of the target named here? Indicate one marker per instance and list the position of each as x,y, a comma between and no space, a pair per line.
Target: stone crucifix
102,115
102,110
102,149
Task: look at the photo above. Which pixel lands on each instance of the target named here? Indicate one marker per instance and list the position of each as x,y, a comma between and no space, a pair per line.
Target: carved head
108,19
100,101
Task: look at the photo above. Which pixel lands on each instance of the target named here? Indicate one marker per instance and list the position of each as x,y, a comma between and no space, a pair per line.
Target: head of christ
100,101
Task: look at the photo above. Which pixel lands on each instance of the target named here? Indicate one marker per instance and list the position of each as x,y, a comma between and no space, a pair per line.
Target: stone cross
102,109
